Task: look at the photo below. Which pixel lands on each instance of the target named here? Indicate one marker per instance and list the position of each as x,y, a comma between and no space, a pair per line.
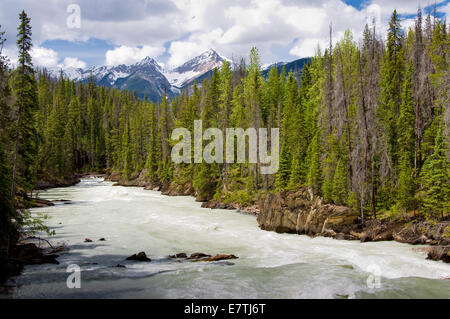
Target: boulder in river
439,253
219,257
102,239
179,255
88,240
139,257
198,256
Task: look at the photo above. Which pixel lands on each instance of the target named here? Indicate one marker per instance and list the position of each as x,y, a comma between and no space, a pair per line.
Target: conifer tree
391,80
25,91
436,179
340,184
392,74
407,144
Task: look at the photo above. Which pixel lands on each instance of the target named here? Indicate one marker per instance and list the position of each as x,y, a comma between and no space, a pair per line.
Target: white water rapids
270,265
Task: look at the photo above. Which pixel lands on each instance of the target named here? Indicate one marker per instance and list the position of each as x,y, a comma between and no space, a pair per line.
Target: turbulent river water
270,265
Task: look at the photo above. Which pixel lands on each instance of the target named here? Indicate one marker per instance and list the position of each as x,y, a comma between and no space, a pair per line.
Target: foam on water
270,265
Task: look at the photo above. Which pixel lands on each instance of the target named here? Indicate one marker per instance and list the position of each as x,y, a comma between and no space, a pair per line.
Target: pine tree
284,170
340,184
25,92
6,211
392,74
314,177
436,179
4,92
391,79
407,144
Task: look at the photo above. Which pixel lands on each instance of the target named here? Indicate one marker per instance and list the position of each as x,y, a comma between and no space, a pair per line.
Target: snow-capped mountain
180,76
147,77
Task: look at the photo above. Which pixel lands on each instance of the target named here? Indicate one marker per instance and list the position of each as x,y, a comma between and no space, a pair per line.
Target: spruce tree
6,211
407,144
436,179
24,132
314,177
340,184
388,110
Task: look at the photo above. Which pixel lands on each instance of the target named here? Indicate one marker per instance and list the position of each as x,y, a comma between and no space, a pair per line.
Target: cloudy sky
113,32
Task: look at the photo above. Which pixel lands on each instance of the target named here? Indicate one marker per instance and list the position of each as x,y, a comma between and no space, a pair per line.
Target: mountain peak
195,68
148,60
210,52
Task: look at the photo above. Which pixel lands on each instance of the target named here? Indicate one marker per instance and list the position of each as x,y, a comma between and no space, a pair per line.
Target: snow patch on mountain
194,68
146,76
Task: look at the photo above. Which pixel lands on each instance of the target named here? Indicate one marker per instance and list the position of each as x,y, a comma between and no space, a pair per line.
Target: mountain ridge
148,79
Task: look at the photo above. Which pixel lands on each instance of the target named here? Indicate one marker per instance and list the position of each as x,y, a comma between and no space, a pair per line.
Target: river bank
302,212
270,264
24,251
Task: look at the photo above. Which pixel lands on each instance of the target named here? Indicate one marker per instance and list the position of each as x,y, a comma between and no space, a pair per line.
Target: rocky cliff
302,212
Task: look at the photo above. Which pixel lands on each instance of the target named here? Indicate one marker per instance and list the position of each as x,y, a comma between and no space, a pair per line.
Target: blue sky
115,31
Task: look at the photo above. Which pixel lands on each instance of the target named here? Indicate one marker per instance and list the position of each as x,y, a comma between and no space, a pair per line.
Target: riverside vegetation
365,130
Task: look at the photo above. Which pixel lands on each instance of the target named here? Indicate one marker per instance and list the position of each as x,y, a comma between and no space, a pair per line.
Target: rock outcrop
175,189
46,182
30,254
439,253
302,212
41,203
213,204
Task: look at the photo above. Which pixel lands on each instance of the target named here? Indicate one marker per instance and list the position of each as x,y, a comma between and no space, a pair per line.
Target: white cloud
182,51
446,10
129,55
73,63
308,47
44,57
139,28
402,6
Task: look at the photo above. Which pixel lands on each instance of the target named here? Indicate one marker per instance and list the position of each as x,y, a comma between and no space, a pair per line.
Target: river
270,265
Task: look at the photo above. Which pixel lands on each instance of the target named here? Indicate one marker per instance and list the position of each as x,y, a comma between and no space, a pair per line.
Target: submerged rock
139,257
179,255
88,240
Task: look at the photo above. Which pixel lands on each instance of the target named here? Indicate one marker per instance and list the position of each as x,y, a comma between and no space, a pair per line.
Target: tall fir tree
407,143
24,132
436,179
